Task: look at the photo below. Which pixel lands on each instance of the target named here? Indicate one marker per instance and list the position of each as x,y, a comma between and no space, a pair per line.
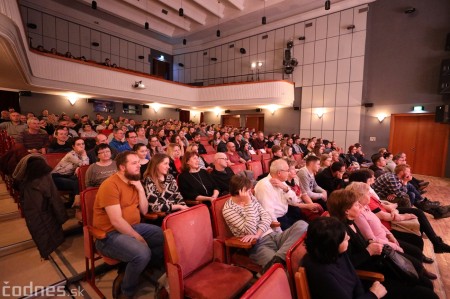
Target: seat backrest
210,149
266,156
294,257
209,158
192,238
87,208
266,165
256,157
301,284
256,167
54,158
220,226
81,174
273,284
238,167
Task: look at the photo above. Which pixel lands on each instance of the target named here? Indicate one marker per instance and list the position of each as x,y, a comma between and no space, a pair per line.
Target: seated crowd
162,167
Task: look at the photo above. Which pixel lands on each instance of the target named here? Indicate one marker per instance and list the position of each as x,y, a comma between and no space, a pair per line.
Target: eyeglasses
287,170
226,159
104,152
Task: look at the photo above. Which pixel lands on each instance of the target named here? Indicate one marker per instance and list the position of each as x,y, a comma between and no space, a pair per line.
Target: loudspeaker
90,100
258,109
25,93
447,44
227,111
368,105
177,109
442,114
146,106
296,108
444,82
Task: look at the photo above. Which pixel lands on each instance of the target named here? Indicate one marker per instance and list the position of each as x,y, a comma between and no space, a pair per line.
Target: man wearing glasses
222,173
275,195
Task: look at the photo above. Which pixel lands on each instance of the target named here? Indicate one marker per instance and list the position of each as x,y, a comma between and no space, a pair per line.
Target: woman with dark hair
101,170
366,255
161,187
42,207
196,183
162,137
142,151
388,212
174,153
328,268
244,152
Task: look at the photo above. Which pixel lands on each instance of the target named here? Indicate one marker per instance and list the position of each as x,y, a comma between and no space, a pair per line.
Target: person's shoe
430,202
420,181
423,185
429,275
275,260
116,288
427,260
440,246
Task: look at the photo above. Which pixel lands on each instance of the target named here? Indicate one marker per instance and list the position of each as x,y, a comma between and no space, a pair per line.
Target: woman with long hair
174,153
142,152
161,187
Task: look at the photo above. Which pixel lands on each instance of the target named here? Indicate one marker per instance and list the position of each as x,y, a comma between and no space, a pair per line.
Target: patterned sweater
162,202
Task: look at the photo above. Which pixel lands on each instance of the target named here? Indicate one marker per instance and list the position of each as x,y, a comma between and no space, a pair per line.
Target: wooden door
422,140
161,69
255,122
231,120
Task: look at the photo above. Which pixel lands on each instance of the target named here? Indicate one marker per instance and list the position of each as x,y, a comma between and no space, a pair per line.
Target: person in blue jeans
120,201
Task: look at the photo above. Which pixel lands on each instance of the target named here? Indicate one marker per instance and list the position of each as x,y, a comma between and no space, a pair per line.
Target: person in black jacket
327,263
330,178
42,206
222,174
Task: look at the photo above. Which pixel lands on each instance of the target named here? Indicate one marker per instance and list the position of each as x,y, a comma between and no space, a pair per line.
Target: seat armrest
96,233
237,243
150,216
192,202
370,276
275,224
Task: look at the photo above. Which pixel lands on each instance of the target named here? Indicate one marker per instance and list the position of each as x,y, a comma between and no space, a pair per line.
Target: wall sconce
272,109
217,111
381,117
320,112
194,114
72,99
156,107
418,109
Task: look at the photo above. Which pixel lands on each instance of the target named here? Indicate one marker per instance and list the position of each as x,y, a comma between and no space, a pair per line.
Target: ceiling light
418,109
264,20
218,33
181,12
184,41
161,58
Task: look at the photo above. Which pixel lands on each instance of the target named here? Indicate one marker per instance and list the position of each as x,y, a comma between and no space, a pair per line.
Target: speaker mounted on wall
25,93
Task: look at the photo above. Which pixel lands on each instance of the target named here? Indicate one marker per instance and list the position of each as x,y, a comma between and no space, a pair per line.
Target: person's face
406,173
23,119
141,132
354,211
87,128
344,244
371,180
34,125
163,167
79,146
327,162
132,169
231,147
153,142
365,199
226,136
290,141
62,135
246,135
335,157
104,154
283,174
161,133
401,161
278,154
30,115
132,138
193,162
292,172
119,135
181,134
102,139
197,138
315,166
195,149
261,136
15,117
176,152
289,153
142,152
222,160
42,123
382,162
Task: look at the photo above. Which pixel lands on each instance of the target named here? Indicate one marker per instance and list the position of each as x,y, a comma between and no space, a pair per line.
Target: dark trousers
66,183
425,225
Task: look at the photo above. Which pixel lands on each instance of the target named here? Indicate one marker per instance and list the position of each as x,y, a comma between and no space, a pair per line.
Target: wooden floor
439,189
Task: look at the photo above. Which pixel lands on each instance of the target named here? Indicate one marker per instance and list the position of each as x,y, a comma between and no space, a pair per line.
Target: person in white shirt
275,195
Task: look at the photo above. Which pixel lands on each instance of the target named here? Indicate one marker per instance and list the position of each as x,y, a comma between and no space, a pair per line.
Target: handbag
411,226
400,265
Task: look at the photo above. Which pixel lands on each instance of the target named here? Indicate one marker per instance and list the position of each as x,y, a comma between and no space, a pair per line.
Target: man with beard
120,201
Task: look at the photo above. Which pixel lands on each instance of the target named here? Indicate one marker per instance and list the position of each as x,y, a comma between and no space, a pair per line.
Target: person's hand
407,216
324,195
137,184
140,239
374,248
249,238
277,183
392,239
378,289
245,196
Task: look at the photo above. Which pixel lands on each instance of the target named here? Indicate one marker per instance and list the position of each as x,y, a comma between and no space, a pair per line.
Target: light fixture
217,111
146,26
94,4
161,58
138,85
264,20
218,19
156,107
418,109
410,10
327,5
381,117
184,41
272,108
72,99
253,65
218,33
320,112
242,51
181,12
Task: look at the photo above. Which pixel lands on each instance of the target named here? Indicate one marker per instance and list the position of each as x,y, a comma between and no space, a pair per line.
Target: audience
222,173
101,170
308,182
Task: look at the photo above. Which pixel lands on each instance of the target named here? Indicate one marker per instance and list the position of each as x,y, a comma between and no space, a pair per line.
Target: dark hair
311,159
386,155
37,167
350,148
122,158
237,183
339,202
99,147
376,157
323,238
127,133
362,175
195,134
75,141
186,157
336,166
138,146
